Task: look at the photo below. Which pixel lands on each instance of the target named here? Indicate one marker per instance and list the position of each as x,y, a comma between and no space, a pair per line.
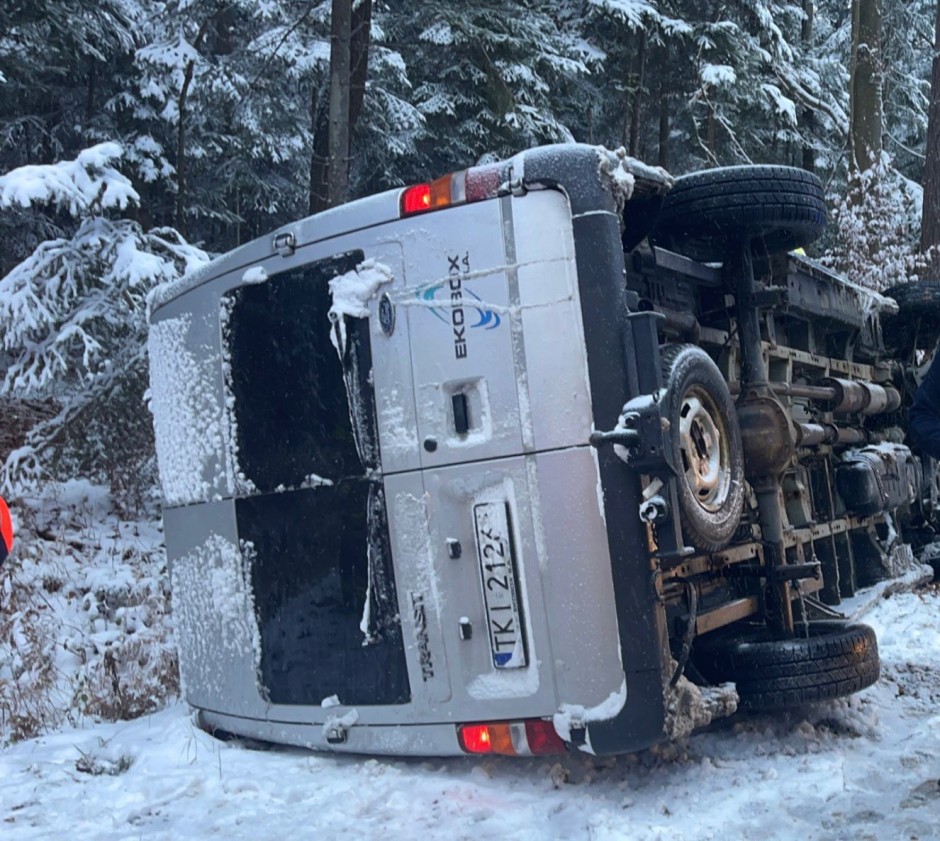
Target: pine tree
73,320
484,77
688,84
58,62
221,92
633,74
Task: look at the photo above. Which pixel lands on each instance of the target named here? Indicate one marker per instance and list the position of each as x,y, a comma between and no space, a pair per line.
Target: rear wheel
707,214
706,446
836,659
917,323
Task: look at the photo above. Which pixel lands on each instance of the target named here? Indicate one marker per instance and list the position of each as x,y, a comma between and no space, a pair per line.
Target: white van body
384,515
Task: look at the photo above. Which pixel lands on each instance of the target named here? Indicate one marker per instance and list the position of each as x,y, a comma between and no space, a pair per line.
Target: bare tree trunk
808,115
181,160
663,160
340,73
867,79
711,136
181,150
359,59
334,117
930,221
90,91
320,156
639,79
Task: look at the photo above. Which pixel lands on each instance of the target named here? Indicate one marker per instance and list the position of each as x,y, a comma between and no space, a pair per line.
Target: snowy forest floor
860,769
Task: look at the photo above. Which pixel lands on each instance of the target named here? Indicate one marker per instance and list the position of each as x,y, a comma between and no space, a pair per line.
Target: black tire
707,214
706,446
837,659
918,318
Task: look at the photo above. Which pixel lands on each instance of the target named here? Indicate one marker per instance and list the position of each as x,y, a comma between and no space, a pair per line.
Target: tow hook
643,432
624,437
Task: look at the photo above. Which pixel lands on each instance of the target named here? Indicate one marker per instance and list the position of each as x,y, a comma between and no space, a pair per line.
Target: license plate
498,574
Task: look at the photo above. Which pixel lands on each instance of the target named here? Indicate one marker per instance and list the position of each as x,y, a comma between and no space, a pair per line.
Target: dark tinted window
315,553
291,407
313,563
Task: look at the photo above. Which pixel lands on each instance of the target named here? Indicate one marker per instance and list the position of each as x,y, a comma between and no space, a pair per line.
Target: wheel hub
704,451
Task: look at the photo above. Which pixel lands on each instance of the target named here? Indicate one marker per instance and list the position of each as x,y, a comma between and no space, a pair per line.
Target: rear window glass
291,412
312,517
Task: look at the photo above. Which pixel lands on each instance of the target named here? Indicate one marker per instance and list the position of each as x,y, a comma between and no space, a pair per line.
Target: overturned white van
480,466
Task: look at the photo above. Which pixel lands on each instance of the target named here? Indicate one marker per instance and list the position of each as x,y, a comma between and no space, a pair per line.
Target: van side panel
512,292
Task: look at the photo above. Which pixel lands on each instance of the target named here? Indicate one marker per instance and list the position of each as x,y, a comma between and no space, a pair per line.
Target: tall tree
242,72
874,242
907,42
749,81
632,37
867,85
930,220
808,115
335,108
340,79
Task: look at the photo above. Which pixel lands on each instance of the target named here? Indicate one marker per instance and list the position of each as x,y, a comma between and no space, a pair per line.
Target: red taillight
424,197
6,526
475,738
482,182
542,738
416,199
518,738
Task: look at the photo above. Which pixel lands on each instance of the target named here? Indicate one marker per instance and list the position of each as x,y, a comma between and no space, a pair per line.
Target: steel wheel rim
704,450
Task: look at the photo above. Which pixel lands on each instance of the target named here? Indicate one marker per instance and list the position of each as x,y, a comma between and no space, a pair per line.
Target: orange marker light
453,189
501,739
440,192
533,737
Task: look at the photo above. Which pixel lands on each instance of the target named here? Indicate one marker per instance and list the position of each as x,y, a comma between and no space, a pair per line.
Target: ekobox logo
454,299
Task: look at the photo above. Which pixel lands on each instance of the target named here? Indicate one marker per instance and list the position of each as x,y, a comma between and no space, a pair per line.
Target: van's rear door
501,394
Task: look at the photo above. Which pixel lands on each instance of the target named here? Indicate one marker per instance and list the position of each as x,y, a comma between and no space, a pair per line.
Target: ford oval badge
387,315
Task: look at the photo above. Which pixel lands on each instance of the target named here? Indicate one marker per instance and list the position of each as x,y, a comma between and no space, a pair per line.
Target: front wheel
708,214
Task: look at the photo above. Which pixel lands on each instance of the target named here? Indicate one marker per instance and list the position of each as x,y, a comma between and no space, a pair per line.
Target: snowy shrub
73,322
877,229
84,630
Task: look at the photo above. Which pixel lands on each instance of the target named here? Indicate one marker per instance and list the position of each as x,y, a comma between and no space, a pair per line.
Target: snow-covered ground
863,768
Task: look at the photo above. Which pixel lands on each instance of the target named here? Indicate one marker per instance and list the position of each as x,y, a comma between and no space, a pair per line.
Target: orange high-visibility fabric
6,525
